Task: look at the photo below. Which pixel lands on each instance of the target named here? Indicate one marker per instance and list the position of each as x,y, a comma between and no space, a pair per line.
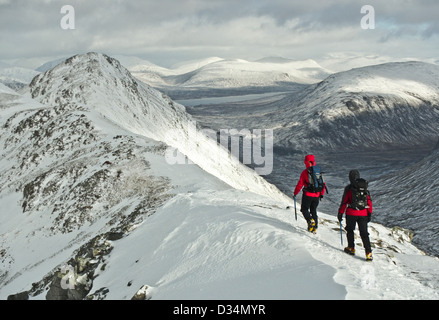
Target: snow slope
344,61
102,84
411,191
384,106
210,245
217,73
16,77
88,198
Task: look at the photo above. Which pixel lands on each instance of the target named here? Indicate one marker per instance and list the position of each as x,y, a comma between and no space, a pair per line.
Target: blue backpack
315,178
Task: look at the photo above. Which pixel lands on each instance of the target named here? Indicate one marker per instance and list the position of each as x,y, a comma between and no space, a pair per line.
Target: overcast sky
169,31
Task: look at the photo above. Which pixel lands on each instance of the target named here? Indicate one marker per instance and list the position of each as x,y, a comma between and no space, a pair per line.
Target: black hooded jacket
353,175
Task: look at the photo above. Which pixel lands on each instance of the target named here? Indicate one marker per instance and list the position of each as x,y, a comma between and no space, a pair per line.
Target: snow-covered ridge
403,79
16,77
218,73
388,105
100,83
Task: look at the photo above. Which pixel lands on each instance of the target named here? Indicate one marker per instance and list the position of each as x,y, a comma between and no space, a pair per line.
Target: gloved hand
340,217
369,217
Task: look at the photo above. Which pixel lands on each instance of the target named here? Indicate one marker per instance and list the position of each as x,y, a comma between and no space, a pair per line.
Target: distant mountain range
376,107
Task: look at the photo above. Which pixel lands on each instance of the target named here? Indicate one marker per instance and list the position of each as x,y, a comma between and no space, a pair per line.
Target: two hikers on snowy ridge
356,202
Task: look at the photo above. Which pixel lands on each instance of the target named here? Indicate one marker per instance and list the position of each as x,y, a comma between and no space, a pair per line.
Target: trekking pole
341,234
295,210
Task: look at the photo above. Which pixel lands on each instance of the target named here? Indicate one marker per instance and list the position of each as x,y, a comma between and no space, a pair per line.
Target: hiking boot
350,251
312,226
369,256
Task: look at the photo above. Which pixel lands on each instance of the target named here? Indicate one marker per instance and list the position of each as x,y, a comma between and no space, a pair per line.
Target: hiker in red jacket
310,197
358,206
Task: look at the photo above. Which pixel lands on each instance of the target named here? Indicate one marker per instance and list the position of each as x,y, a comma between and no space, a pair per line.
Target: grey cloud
196,27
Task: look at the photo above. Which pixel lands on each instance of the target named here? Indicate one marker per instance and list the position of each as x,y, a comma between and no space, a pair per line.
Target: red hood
311,158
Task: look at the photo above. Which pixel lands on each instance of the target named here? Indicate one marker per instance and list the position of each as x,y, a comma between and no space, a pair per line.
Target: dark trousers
309,207
351,221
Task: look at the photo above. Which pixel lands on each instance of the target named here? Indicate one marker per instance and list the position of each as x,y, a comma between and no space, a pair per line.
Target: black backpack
359,194
315,178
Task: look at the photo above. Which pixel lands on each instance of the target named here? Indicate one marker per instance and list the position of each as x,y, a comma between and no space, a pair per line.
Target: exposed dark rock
19,296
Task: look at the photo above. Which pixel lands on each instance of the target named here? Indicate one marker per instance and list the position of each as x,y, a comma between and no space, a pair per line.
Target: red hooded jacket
304,180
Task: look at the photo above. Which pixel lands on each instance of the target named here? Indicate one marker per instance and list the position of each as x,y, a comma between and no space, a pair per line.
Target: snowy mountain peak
97,82
79,77
383,106
101,83
389,78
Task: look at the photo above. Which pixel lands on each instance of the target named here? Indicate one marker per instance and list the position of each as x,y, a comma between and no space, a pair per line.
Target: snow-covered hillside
16,77
376,107
217,73
344,61
410,192
102,84
91,208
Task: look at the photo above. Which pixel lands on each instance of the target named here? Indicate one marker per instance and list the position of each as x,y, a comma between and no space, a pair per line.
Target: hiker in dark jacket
310,199
356,214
